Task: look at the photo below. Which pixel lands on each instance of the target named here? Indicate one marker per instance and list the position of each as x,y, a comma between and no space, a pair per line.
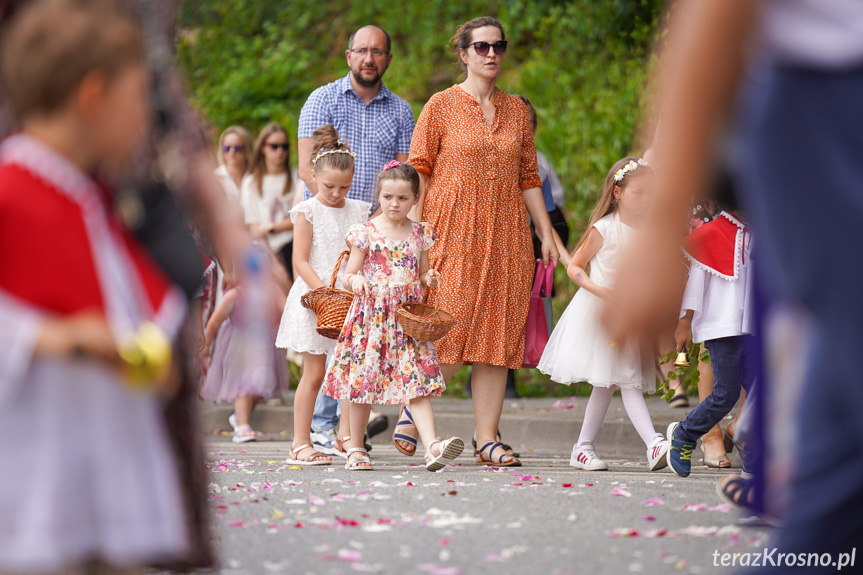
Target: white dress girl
580,348
330,226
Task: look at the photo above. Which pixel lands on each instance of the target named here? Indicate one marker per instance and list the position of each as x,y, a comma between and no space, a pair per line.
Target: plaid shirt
375,132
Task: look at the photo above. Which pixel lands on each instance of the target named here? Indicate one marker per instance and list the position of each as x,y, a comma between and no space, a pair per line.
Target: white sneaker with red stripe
583,457
656,453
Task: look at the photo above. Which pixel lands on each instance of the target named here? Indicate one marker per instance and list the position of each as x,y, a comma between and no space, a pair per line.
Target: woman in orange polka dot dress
473,147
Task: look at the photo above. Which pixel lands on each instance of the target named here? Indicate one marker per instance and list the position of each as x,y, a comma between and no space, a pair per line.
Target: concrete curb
545,424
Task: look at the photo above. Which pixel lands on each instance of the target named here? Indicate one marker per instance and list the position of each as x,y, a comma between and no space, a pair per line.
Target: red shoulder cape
717,246
45,254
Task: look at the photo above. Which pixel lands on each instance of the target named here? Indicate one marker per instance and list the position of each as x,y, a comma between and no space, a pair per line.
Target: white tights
636,409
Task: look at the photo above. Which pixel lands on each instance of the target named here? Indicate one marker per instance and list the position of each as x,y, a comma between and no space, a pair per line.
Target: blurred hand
433,278
85,335
648,288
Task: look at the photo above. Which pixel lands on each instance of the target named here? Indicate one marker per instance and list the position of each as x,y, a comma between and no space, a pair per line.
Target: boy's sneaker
656,453
325,442
233,421
583,457
680,454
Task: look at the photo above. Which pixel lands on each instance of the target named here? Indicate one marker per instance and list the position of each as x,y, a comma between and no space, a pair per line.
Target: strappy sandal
405,419
507,448
354,463
491,446
339,447
243,434
313,459
450,449
737,491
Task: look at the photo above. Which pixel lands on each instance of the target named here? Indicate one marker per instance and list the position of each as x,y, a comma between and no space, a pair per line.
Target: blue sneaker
680,454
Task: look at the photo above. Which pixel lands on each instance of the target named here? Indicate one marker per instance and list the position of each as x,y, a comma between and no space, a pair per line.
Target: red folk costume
102,478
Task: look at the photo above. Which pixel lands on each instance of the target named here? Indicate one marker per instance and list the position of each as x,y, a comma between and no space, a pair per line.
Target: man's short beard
366,83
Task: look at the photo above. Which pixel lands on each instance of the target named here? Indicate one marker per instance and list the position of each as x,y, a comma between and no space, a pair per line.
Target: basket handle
439,282
336,269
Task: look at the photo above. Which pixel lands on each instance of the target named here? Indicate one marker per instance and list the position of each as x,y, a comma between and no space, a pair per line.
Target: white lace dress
580,349
331,225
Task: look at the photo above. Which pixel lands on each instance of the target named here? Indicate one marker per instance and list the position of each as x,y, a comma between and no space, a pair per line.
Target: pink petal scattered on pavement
493,558
315,500
653,501
560,405
650,518
621,492
706,507
439,569
349,555
443,542
236,523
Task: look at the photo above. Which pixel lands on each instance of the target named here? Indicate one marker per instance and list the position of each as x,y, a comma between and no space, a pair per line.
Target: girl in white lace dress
320,226
580,348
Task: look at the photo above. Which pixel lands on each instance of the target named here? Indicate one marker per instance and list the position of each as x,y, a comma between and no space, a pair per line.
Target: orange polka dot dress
476,176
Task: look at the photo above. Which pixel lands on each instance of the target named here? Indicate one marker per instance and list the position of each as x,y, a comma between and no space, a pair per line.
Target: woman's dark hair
257,163
464,36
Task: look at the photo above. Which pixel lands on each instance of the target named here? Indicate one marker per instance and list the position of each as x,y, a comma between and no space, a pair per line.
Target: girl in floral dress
374,361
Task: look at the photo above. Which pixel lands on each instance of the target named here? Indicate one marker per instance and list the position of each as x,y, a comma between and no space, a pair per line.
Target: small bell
682,360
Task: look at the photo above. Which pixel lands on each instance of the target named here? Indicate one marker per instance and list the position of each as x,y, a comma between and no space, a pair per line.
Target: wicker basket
424,322
330,304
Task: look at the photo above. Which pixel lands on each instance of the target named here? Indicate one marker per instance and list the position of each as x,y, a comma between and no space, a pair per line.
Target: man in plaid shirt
374,122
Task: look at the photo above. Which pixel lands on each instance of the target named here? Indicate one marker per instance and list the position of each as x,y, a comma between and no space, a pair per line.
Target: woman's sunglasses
238,148
482,47
275,147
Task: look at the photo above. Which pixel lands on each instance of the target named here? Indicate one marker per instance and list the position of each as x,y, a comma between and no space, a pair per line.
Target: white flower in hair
631,166
642,162
619,175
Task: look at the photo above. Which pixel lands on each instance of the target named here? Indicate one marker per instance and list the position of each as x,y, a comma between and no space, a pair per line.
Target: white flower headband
333,151
630,167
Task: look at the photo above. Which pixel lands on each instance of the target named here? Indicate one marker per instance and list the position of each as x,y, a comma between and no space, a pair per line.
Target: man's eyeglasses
275,147
238,148
482,47
361,52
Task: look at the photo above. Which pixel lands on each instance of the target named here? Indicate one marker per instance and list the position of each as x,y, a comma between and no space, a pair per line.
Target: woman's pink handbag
538,327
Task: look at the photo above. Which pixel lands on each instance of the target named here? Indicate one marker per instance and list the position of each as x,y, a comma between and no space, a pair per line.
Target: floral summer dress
374,361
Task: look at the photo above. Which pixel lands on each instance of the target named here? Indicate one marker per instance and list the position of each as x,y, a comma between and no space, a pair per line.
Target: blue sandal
405,419
490,460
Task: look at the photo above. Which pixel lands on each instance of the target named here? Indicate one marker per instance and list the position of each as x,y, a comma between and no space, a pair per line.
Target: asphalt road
544,518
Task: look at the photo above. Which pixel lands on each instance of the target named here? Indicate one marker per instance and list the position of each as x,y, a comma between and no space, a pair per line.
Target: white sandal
341,453
354,464
450,449
243,434
313,459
